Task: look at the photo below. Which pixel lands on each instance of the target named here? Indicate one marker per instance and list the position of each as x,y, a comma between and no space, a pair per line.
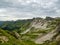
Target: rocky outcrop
48,37
16,35
39,23
3,39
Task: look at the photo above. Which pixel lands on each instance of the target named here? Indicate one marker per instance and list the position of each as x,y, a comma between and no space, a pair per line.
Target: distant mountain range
1,22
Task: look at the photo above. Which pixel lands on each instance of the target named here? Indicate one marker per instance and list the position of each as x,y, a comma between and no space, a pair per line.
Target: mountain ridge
34,31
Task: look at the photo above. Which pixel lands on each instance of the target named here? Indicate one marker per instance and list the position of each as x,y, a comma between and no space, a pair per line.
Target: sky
26,9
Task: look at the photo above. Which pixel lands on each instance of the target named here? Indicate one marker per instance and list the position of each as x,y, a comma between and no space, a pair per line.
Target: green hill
36,31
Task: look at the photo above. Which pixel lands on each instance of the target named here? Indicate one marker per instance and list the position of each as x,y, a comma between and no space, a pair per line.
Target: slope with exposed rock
36,31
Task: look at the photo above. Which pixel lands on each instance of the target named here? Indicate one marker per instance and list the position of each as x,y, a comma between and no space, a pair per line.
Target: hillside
36,31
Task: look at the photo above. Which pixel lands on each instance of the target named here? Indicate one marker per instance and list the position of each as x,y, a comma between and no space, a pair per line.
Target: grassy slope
13,40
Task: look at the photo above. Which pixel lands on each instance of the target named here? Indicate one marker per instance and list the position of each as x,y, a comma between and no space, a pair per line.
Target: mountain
36,31
1,22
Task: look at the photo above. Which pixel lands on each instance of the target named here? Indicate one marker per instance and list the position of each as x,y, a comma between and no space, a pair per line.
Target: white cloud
20,9
2,10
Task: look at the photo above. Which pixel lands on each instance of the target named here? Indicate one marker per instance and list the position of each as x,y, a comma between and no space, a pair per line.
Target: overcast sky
24,9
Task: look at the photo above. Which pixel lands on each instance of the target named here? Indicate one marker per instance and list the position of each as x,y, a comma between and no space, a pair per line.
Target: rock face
46,37
39,24
4,39
43,24
58,37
